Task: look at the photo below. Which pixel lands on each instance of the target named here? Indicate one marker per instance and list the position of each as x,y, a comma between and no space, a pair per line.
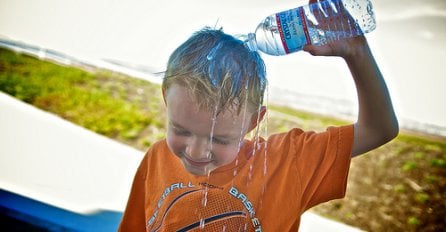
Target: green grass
101,101
325,121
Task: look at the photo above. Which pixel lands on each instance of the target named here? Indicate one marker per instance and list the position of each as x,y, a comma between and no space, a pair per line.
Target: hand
345,48
376,123
327,20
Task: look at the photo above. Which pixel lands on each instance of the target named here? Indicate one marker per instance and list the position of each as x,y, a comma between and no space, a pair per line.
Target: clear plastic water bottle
317,24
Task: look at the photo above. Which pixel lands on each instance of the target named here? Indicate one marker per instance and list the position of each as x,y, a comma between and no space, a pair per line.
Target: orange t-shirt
264,189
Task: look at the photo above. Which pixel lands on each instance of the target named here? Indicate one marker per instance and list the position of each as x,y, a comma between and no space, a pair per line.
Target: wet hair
219,70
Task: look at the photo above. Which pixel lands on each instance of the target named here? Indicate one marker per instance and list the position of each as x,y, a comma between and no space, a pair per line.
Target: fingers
310,49
323,10
342,48
331,16
316,11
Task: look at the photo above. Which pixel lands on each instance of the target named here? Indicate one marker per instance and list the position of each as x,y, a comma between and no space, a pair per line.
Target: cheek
175,144
225,155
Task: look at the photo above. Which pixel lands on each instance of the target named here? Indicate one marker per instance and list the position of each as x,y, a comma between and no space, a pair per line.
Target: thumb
319,50
310,49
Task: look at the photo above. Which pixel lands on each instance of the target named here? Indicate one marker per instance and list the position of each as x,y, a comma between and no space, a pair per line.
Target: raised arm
376,123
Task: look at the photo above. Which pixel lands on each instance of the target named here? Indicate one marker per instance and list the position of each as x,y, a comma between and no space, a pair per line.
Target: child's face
201,146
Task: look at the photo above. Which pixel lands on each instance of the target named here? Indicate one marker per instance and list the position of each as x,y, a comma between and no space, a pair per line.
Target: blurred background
409,44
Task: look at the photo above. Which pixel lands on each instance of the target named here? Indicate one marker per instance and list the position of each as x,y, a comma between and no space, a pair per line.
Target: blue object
21,212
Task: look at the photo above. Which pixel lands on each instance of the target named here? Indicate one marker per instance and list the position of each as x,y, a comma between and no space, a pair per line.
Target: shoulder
297,144
156,153
157,149
299,136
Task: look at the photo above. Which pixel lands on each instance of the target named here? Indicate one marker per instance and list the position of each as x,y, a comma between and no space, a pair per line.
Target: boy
206,175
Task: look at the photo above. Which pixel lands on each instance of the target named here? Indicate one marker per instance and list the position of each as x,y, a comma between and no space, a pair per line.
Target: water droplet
204,200
213,51
202,223
250,172
265,121
235,171
214,82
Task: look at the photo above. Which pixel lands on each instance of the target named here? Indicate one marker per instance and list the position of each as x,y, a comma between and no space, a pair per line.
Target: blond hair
219,71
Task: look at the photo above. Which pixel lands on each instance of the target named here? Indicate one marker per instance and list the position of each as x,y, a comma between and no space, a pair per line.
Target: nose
198,149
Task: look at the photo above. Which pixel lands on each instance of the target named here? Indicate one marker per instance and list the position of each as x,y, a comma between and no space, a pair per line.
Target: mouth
197,163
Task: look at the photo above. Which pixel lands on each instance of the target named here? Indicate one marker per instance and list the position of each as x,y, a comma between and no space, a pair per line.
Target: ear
257,117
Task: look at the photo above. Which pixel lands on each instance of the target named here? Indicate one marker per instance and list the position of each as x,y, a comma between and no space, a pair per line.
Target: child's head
213,87
219,71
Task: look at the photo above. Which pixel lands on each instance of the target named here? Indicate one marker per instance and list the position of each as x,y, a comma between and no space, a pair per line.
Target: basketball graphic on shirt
198,209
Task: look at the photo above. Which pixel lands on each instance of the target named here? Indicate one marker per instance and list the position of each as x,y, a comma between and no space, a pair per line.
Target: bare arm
376,123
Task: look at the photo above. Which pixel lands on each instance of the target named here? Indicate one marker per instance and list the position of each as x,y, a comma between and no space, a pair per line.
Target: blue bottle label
293,29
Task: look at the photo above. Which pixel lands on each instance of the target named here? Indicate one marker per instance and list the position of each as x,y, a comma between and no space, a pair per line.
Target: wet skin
202,145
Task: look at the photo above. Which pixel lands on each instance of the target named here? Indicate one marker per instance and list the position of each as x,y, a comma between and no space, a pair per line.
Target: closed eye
180,131
219,141
177,130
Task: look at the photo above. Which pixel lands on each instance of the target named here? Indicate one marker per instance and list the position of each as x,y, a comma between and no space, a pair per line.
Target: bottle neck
251,42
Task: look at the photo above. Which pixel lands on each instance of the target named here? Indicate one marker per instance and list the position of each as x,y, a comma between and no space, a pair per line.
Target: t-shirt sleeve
323,163
133,218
